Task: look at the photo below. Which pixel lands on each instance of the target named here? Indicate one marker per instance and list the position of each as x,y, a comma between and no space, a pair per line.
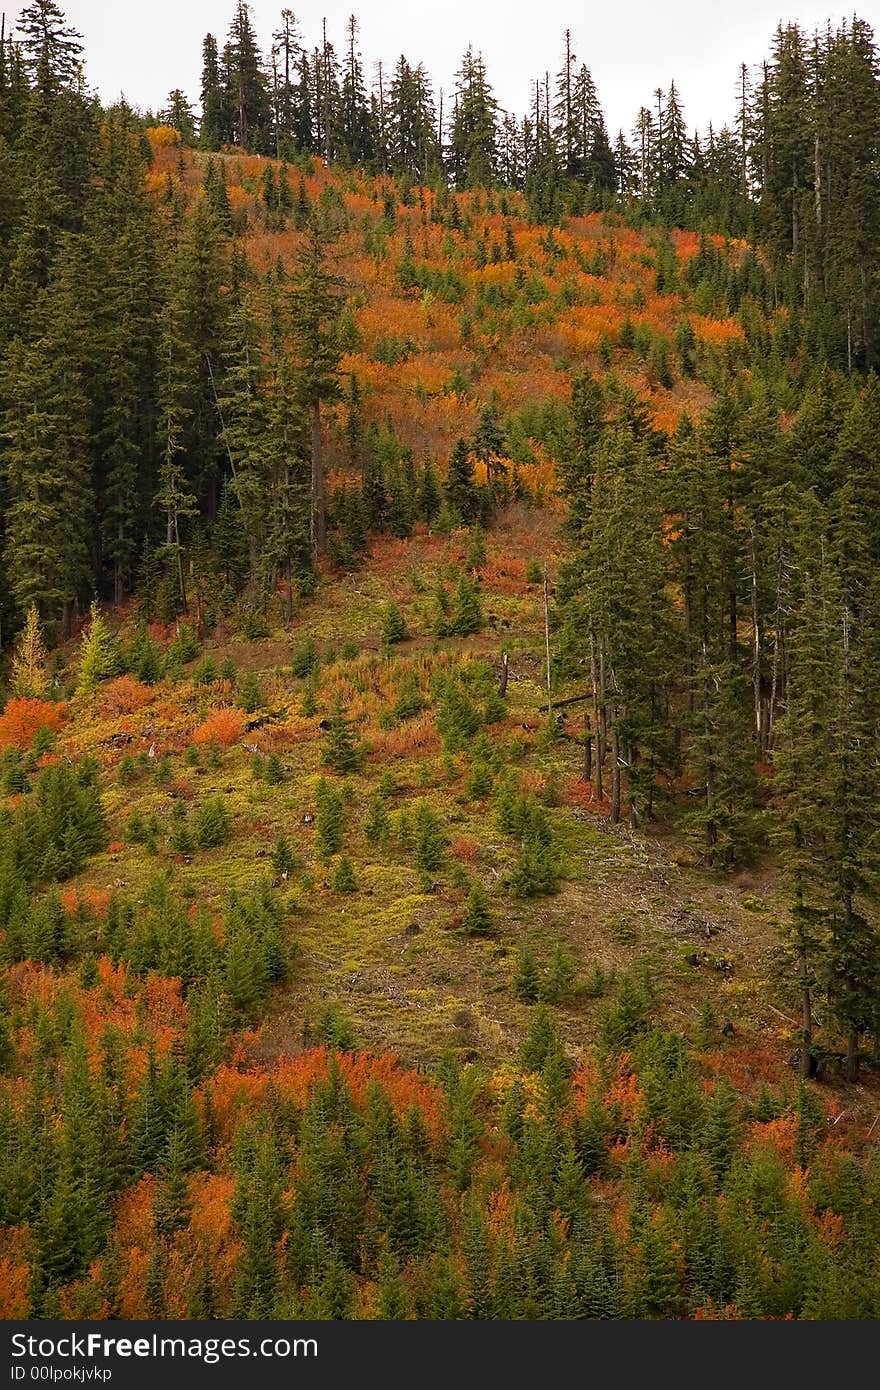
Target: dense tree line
719,602
796,168
161,406
151,388
630,1195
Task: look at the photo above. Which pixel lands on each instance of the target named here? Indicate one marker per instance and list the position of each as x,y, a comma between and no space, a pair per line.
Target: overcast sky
143,48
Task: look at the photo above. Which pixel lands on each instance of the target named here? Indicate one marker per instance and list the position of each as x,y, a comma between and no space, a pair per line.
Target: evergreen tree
315,307
460,490
342,752
473,153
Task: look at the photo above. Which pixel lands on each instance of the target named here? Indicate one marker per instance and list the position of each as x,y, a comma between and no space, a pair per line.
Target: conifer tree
315,309
460,490
478,916
342,752
98,657
30,659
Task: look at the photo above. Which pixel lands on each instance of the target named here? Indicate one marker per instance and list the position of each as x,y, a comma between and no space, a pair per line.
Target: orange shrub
223,726
415,738
464,849
717,331
125,695
14,1290
22,719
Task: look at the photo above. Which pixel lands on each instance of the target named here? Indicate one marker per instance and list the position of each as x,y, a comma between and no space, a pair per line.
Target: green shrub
393,624
342,752
630,1014
329,820
284,857
478,914
527,979
212,823
250,696
344,880
305,659
429,839
205,671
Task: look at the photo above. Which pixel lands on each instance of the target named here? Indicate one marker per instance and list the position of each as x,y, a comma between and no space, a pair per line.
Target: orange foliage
832,1229
222,726
505,575
415,738
95,900
717,332
625,1092
211,1218
464,849
779,1135
125,695
233,1091
577,792
499,1211
22,719
133,1285
14,1290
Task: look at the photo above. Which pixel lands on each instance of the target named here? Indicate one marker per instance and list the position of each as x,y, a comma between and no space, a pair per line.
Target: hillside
392,955
439,750
457,301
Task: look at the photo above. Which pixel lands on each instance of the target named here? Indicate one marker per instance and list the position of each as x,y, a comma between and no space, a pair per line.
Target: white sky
143,48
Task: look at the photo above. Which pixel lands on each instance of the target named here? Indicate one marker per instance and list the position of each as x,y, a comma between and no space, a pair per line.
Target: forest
439,689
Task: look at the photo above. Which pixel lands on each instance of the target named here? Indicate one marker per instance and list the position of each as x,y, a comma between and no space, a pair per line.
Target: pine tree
393,624
172,1203
478,916
460,489
214,128
344,880
342,752
46,466
98,656
52,49
329,820
247,95
430,841
314,311
30,659
473,146
467,611
212,823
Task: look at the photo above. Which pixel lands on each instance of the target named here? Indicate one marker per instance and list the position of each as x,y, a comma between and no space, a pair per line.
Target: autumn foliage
223,727
22,719
125,695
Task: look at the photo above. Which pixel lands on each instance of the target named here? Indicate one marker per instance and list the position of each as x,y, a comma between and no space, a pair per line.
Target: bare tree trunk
319,506
852,1055
756,656
600,747
615,776
505,675
547,642
806,1060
